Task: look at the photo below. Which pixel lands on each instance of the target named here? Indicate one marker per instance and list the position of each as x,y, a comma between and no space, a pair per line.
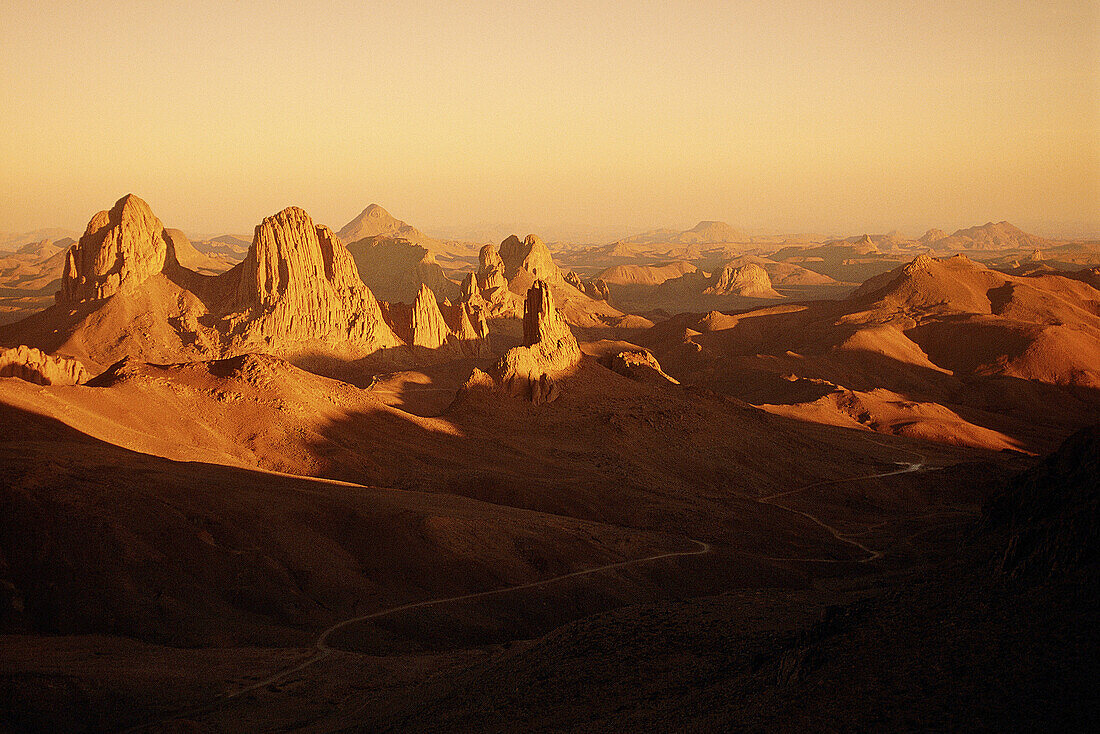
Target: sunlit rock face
34,365
549,349
745,280
120,249
531,255
299,283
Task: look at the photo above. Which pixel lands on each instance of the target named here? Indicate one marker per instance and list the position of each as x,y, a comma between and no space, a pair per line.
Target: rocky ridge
34,365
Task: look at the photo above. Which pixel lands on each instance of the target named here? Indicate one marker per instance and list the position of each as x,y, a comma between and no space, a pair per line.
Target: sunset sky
566,117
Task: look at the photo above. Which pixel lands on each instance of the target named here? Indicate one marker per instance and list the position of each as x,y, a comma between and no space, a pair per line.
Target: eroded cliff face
745,280
299,284
34,365
119,250
549,349
531,255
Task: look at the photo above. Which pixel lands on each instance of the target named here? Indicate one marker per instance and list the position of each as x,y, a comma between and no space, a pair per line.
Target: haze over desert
549,367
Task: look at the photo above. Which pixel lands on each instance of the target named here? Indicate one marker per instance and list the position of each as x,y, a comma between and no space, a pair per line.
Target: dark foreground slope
1001,637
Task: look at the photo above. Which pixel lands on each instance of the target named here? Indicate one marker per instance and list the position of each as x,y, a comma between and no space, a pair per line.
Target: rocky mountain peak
301,284
119,249
531,255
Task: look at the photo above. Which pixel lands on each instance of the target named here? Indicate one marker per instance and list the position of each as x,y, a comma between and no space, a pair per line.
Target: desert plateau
693,396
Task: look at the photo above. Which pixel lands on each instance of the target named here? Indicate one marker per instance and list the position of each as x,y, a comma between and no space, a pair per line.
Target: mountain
533,256
125,293
504,277
990,236
395,269
119,250
13,241
374,221
703,233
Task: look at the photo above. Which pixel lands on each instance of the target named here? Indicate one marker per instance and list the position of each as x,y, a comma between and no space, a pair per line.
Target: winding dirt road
322,649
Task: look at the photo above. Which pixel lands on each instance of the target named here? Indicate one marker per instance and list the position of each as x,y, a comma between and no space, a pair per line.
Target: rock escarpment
638,365
394,269
120,249
596,289
533,256
34,365
549,350
299,284
749,280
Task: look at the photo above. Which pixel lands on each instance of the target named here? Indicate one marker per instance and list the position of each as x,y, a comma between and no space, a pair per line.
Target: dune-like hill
948,350
703,233
192,258
749,280
785,274
646,274
14,241
990,236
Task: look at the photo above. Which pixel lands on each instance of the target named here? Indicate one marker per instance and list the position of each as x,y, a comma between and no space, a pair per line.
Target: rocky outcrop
486,294
428,324
638,365
34,365
394,269
119,250
750,280
549,349
429,329
596,289
490,272
1048,515
533,256
299,284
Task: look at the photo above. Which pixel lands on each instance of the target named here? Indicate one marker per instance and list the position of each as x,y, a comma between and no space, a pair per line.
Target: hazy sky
778,115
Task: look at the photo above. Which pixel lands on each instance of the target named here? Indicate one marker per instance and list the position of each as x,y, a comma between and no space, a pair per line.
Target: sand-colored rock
531,255
596,289
120,249
299,284
394,269
182,252
490,273
429,329
646,274
749,280
549,349
34,365
639,365
374,221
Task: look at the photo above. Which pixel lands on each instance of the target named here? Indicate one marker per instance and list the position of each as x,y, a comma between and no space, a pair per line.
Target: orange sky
779,116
